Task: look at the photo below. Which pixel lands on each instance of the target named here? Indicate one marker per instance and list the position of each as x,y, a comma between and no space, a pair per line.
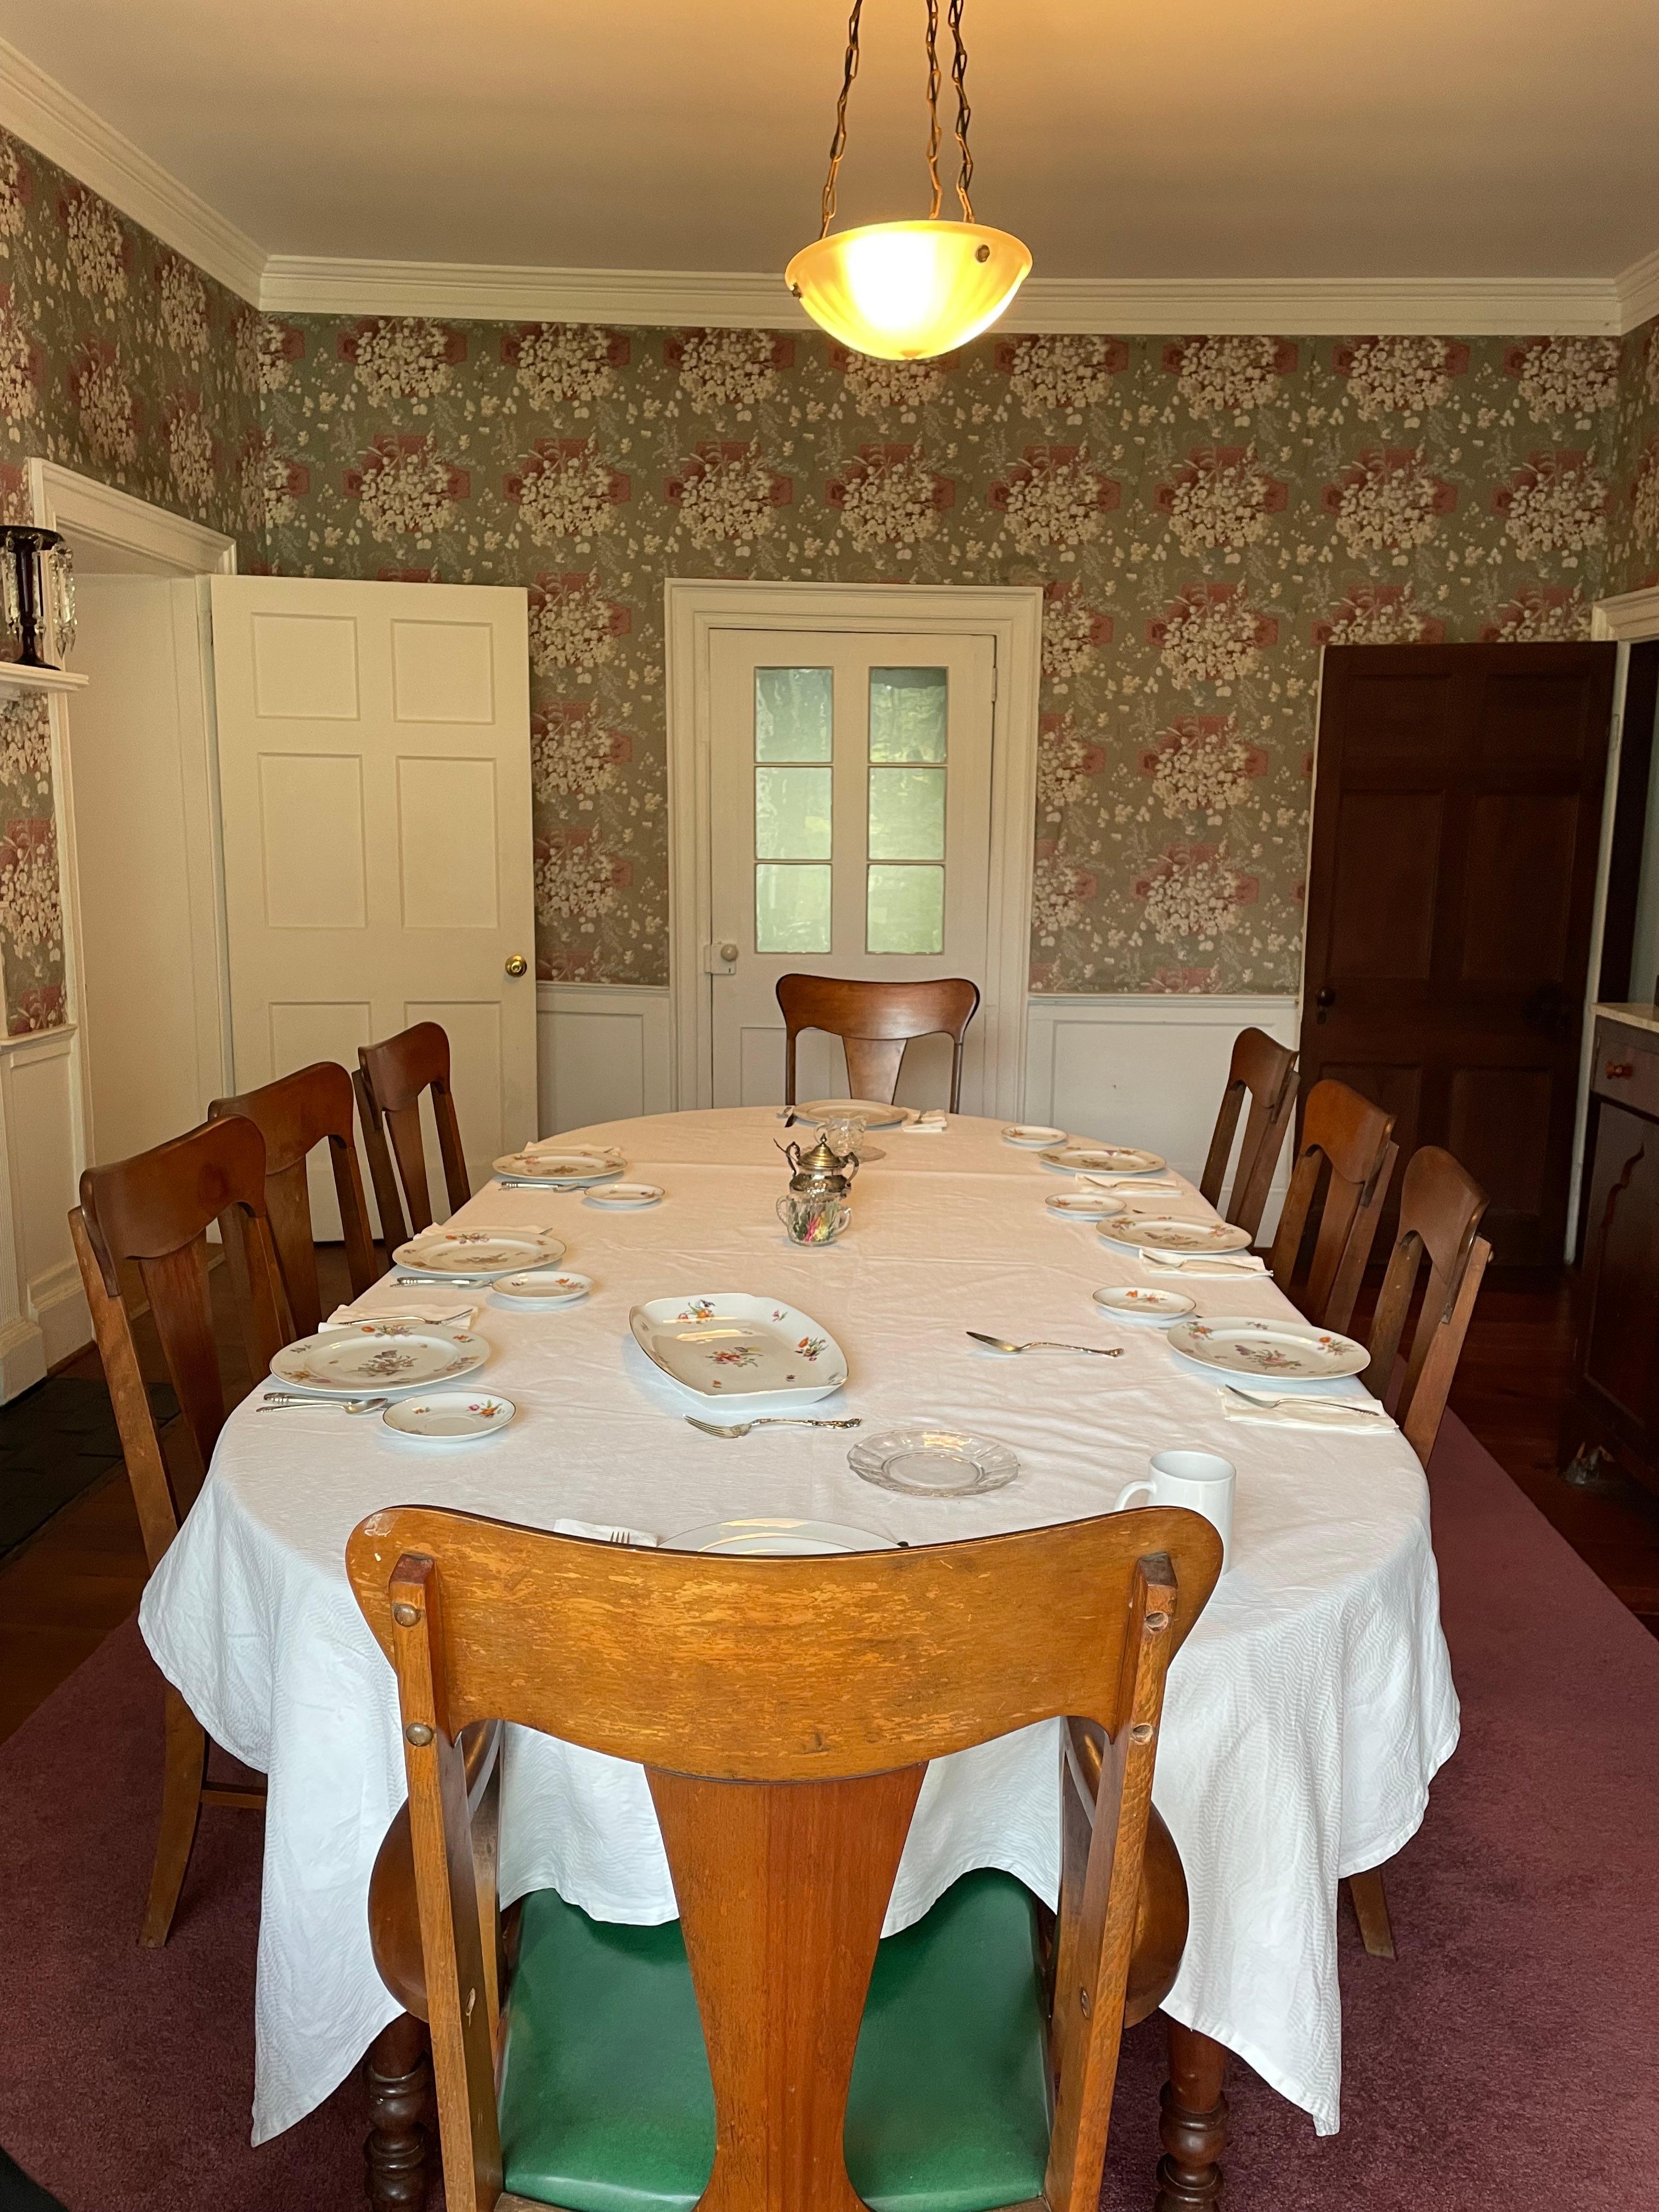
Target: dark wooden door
1457,814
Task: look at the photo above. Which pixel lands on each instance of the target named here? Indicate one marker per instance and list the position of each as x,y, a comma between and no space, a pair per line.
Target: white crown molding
670,299
1638,292
37,109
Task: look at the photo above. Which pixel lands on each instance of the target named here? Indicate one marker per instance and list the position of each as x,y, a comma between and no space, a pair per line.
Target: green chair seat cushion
606,2104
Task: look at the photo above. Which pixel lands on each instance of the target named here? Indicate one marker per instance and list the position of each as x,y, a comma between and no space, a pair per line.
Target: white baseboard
603,1053
22,1358
59,1303
1145,1070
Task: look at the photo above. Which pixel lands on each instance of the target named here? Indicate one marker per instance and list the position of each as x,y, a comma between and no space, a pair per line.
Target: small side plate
1086,1205
542,1288
1031,1139
1138,1303
625,1197
444,1418
921,1461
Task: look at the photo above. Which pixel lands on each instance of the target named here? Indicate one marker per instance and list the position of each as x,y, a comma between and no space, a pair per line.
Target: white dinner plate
929,1459
1086,1205
777,1539
1139,1302
873,1115
1032,1138
542,1288
735,1348
567,1170
625,1197
1103,1159
448,1418
479,1251
1173,1232
374,1356
1286,1351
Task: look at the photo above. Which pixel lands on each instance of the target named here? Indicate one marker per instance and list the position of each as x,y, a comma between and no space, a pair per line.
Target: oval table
1305,1715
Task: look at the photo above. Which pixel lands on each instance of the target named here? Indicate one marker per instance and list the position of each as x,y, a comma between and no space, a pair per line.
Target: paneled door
374,776
1456,832
849,794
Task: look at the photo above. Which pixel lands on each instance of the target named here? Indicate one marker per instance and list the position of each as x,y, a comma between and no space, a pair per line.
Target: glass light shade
906,291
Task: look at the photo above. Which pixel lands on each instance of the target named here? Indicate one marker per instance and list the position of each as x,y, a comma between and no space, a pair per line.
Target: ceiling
1216,139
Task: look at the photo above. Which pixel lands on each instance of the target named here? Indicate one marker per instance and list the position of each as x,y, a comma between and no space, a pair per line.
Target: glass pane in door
792,813
907,813
791,908
906,909
794,712
908,713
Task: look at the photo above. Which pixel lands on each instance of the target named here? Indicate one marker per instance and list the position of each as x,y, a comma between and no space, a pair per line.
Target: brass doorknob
517,965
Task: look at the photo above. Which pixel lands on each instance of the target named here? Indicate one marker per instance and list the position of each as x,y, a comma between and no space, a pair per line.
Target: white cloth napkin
602,1533
441,1313
1346,1413
930,1124
1203,1263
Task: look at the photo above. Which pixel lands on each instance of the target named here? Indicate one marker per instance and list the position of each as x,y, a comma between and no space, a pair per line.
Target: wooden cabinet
1612,1403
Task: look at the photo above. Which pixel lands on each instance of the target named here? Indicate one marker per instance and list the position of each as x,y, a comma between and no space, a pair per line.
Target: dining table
1305,1715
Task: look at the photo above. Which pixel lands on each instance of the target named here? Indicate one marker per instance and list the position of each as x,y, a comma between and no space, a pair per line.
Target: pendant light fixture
908,291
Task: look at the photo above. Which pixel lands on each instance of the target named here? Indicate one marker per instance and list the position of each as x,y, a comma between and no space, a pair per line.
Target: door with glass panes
849,788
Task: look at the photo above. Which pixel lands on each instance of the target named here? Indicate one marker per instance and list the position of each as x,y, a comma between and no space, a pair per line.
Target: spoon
772,1421
279,1404
1041,1344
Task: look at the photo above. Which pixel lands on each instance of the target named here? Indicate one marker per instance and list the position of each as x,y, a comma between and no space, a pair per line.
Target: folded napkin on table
1350,1413
1201,1263
440,1312
930,1124
601,1533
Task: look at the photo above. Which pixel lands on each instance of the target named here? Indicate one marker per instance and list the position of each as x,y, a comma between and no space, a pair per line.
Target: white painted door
849,808
374,781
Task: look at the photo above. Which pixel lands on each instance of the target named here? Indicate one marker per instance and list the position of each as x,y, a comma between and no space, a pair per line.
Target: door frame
694,608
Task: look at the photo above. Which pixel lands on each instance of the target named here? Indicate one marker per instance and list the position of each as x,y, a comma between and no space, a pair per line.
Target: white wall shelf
17,682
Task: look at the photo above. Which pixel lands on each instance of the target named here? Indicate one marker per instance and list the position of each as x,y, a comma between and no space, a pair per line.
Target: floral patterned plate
732,1346
448,1418
1173,1232
870,1111
1138,1302
775,1539
625,1197
1107,1159
1085,1205
378,1356
575,1170
1285,1351
479,1251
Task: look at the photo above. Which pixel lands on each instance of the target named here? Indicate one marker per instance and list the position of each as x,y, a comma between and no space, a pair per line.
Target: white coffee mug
1195,1478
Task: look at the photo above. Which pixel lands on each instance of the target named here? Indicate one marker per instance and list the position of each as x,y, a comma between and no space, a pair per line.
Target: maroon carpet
1509,2059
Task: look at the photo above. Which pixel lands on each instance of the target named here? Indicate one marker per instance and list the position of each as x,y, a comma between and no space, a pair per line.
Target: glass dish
922,1461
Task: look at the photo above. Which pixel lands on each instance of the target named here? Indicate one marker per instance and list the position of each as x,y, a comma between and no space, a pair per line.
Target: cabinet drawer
1626,1070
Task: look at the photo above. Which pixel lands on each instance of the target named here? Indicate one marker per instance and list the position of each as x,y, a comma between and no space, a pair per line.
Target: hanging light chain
838,142
958,78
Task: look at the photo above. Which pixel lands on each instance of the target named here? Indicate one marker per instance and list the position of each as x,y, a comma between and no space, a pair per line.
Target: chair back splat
875,1021
1345,1145
1267,1071
391,1077
293,1115
1441,1206
785,1711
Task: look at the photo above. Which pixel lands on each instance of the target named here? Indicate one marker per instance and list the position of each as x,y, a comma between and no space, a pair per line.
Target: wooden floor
81,1576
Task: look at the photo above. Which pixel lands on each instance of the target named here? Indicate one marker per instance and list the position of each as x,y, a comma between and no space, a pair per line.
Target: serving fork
772,1421
279,1401
1042,1344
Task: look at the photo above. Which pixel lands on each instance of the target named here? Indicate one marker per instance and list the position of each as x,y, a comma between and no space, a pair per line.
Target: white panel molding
62,500
604,1052
1630,617
43,1311
1146,1069
1472,307
41,113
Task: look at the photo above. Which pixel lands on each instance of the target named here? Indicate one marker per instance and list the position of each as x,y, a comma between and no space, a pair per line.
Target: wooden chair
785,1711
293,1115
152,1211
1268,1071
1345,1144
391,1077
1441,1206
875,1021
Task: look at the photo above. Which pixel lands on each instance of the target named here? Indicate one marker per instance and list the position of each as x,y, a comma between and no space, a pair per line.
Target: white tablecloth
1305,1716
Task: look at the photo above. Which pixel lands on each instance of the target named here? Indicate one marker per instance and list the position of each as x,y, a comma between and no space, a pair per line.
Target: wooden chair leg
1194,2126
399,2077
1370,1910
183,1773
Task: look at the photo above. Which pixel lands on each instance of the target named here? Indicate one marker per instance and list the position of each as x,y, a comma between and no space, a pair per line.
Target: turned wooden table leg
399,2077
1193,2127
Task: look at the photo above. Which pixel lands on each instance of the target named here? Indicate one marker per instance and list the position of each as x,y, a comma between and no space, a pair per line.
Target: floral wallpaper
120,359
1203,513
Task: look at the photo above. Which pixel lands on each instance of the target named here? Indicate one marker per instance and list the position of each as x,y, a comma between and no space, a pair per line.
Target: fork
1042,1344
428,1282
772,1421
1348,1404
278,1401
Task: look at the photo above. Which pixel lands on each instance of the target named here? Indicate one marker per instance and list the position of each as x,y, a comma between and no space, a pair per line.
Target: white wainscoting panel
43,1313
603,1053
1145,1070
